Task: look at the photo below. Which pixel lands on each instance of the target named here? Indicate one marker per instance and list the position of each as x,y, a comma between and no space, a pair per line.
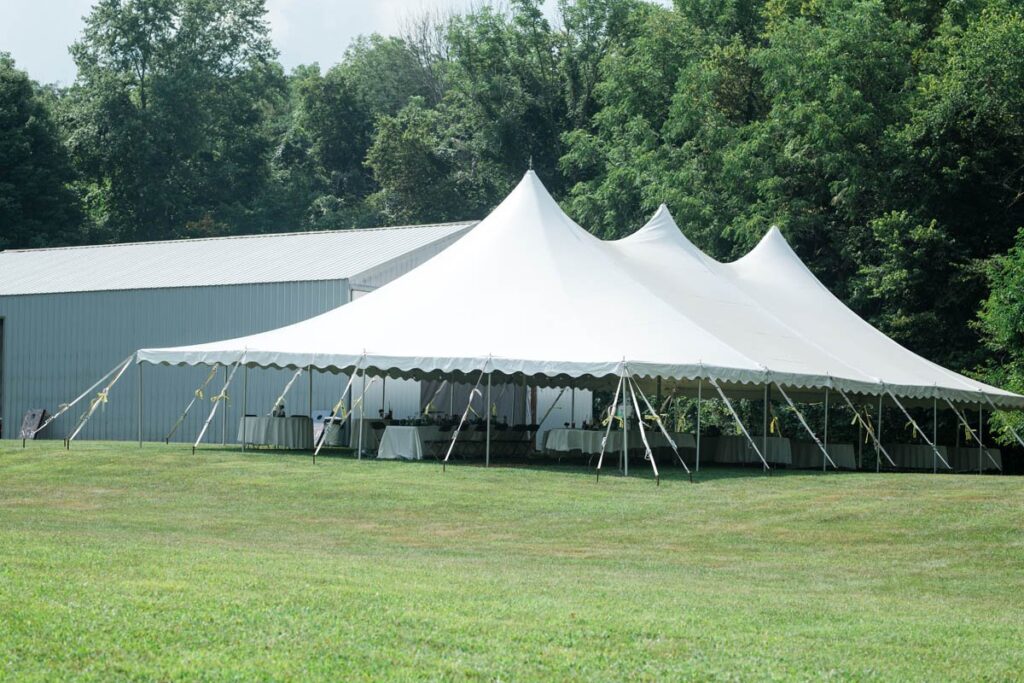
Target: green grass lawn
117,562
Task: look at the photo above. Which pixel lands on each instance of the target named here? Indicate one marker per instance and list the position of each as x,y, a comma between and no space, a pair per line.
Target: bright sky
37,33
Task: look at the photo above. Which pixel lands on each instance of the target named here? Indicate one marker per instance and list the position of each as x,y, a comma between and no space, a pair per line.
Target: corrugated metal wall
56,345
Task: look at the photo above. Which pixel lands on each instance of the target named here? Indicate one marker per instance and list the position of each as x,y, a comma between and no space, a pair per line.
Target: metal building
68,315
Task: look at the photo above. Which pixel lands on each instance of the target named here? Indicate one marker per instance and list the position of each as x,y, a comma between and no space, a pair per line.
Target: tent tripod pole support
101,398
63,409
970,431
197,394
739,423
217,401
870,432
462,420
807,427
340,405
648,453
608,428
920,431
634,389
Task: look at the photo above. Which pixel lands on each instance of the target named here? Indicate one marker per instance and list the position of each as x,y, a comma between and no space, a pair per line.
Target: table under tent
528,299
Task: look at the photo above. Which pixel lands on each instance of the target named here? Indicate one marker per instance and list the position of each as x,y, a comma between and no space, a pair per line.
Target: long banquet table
806,454
291,433
588,441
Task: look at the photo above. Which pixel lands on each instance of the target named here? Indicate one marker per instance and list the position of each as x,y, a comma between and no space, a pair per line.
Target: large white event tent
530,294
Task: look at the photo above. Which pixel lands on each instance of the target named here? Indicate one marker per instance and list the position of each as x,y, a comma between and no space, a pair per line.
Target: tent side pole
764,425
878,440
572,407
935,433
487,416
245,402
625,428
700,387
969,432
309,397
362,416
140,404
224,413
981,437
824,461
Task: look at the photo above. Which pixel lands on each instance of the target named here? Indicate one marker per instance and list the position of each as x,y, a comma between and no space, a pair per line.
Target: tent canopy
530,292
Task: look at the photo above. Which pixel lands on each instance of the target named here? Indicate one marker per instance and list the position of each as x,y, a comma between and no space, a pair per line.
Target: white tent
529,292
774,310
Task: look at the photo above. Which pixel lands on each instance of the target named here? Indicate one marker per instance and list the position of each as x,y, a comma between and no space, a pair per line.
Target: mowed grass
121,563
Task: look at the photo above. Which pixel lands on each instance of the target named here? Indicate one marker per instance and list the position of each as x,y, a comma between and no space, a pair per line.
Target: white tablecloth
588,441
405,443
294,433
806,454
737,449
965,459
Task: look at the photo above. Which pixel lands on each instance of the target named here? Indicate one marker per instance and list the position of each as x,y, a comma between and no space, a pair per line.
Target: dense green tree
36,207
168,115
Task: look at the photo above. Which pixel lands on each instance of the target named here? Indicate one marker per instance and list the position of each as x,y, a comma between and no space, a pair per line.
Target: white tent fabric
775,310
529,291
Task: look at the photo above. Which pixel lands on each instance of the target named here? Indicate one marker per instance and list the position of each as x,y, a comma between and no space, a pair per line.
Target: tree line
884,137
